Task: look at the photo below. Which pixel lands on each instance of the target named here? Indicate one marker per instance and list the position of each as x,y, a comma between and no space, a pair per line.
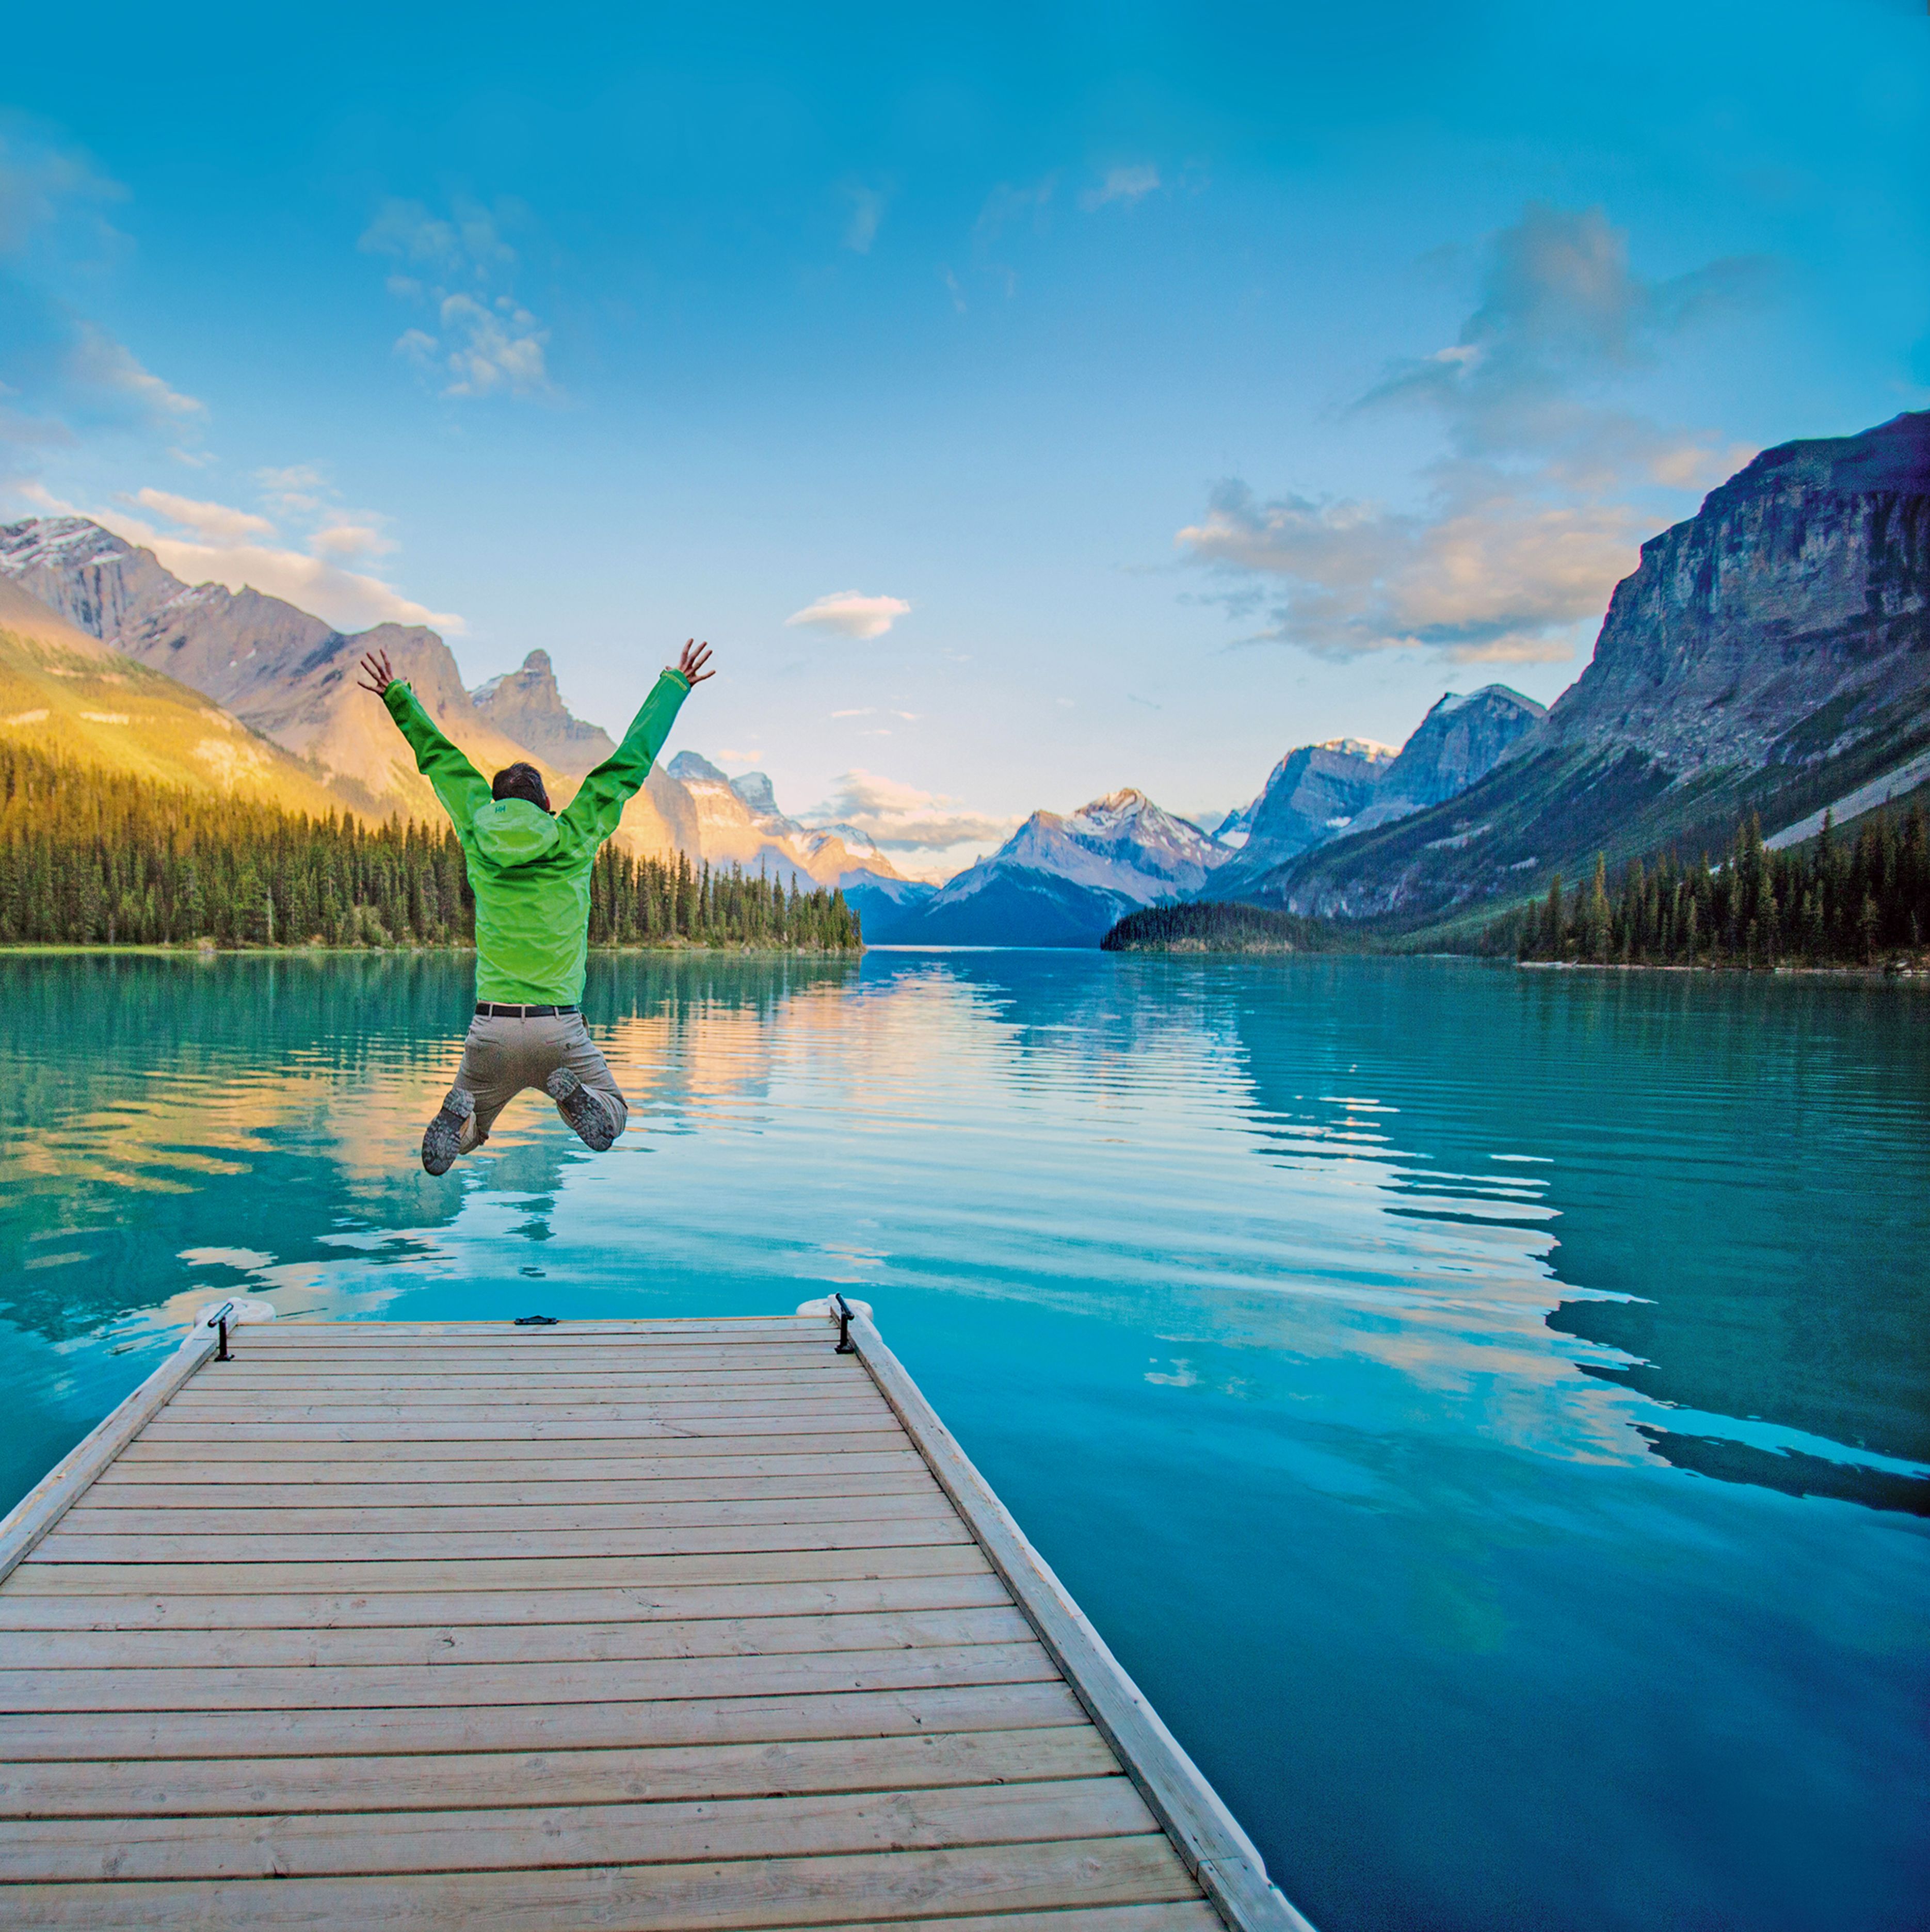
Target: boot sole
589,1119
442,1139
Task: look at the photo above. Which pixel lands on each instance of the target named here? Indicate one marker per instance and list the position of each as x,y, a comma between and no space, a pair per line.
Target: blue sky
1158,387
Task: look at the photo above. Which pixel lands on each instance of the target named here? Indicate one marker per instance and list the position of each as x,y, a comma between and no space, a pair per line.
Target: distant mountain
1061,880
754,788
291,678
68,695
526,705
1460,740
737,822
1311,795
1771,655
285,674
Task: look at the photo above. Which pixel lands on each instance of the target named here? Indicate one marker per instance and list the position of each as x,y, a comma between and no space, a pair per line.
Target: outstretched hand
377,675
695,658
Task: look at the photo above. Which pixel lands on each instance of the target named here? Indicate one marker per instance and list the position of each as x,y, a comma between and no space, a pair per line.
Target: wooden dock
623,1624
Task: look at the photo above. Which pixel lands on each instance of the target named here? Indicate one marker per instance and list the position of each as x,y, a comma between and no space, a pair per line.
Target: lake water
1488,1412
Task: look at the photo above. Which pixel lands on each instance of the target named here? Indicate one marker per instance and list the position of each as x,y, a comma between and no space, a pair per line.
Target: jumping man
529,870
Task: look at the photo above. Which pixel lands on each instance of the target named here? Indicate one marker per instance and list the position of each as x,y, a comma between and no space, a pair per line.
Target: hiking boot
442,1139
583,1109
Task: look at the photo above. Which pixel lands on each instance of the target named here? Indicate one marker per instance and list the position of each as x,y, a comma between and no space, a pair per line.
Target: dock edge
49,1499
1207,1837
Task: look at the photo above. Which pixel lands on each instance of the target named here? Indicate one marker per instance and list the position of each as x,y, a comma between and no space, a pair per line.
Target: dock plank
305,1845
359,1575
260,1518
240,1787
503,1730
227,1687
184,1490
697,1897
544,1641
376,1610
666,1453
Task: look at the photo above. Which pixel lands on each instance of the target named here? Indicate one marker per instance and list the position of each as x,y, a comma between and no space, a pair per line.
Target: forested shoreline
89,857
1835,902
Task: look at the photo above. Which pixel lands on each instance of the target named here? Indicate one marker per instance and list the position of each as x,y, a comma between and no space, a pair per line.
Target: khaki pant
501,1057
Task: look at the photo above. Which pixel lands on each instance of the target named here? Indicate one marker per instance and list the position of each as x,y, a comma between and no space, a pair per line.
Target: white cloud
468,242
212,543
490,348
1538,507
344,540
867,211
489,344
214,521
851,613
1130,185
1489,577
98,361
901,817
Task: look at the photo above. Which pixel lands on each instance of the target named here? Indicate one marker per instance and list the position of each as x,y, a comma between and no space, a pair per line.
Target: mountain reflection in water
1489,1412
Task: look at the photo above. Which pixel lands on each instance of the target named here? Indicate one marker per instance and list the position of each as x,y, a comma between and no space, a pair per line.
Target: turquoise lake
1488,1410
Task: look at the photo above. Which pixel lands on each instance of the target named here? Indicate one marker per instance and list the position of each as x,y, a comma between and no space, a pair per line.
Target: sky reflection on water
1490,1411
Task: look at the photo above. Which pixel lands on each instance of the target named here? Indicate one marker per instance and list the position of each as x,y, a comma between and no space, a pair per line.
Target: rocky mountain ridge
526,705
1770,655
1060,880
290,678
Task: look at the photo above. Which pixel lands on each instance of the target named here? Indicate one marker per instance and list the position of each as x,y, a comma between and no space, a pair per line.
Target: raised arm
592,815
461,787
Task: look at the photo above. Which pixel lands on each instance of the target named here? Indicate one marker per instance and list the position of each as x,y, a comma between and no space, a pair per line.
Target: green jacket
530,872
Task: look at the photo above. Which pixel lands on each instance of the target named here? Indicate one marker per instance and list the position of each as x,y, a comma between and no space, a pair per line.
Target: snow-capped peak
63,541
1372,749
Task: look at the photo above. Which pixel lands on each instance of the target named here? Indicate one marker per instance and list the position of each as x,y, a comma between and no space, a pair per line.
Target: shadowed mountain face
1321,792
1311,795
526,706
1771,655
1061,880
1461,740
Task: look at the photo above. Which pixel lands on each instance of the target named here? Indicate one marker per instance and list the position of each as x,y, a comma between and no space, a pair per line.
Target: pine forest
91,857
1836,902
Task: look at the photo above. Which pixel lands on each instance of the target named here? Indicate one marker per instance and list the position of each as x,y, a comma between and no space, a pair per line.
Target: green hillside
68,696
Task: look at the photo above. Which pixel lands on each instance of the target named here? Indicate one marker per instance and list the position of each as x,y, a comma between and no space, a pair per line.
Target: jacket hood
513,832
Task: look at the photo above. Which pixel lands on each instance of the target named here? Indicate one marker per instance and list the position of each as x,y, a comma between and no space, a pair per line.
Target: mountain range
65,692
279,687
1065,881
1771,654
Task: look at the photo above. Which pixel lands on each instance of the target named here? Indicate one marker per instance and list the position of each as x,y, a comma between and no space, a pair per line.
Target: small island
1216,926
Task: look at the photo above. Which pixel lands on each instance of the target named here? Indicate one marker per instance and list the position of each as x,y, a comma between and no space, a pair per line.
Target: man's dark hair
521,780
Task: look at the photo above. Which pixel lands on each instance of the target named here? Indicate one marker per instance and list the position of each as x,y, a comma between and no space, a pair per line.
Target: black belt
486,1010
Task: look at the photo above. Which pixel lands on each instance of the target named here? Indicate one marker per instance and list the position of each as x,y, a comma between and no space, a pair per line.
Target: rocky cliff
1459,743
1771,655
283,673
65,693
1801,589
526,705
